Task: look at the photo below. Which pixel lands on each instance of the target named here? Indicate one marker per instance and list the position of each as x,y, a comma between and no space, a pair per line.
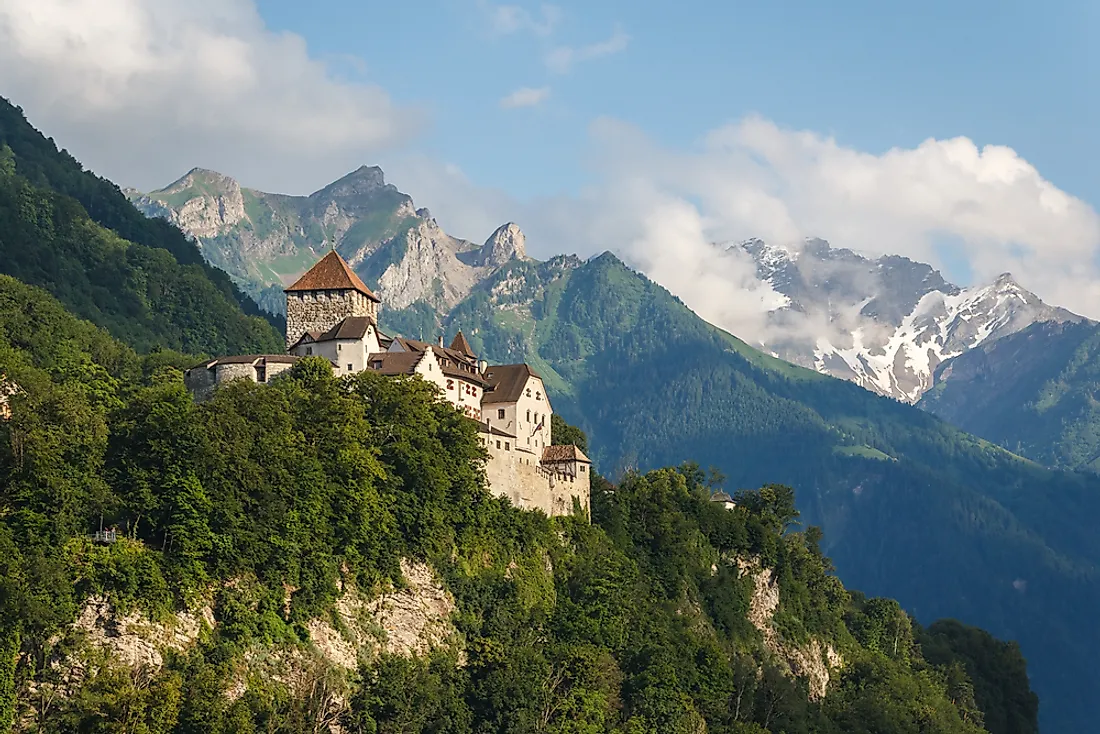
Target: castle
331,313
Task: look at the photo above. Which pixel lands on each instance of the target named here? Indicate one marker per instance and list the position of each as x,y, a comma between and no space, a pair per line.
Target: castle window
528,392
261,373
500,412
538,395
309,351
582,467
498,444
349,368
528,416
450,384
507,446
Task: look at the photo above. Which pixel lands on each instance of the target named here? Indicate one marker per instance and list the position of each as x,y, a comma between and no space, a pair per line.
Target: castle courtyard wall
528,484
517,475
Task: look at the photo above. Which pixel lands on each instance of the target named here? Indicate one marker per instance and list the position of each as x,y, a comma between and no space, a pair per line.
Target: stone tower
326,295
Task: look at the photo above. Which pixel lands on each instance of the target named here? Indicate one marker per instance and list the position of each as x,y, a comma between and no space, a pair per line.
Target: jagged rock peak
1005,279
507,243
212,182
363,180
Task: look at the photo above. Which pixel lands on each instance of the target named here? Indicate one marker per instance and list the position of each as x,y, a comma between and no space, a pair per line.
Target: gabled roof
352,327
394,363
307,337
331,273
721,496
462,346
506,382
555,454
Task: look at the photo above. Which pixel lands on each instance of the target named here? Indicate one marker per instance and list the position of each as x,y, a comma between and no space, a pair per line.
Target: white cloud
562,59
660,209
508,19
143,90
525,97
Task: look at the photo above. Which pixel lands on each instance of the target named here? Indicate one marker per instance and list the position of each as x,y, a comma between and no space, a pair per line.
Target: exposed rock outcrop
134,639
411,620
814,660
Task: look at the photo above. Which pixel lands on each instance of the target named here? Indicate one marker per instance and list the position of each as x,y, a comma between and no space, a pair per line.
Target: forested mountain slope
1034,392
913,508
76,235
262,532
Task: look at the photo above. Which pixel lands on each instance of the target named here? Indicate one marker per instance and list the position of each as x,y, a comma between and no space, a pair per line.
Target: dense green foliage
76,235
912,508
1031,392
263,500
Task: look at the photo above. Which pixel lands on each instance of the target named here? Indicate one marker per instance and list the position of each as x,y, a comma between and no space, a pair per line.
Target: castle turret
327,294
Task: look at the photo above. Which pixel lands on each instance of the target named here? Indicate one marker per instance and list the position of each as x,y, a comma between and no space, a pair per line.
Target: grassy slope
952,526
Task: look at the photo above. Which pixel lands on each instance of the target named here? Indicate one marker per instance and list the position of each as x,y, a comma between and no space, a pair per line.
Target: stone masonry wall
518,476
321,310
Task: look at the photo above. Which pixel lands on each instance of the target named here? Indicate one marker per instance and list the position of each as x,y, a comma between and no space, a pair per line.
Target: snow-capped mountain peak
888,322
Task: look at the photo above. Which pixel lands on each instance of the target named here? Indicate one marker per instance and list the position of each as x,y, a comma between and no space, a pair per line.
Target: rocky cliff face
426,264
412,620
886,324
266,240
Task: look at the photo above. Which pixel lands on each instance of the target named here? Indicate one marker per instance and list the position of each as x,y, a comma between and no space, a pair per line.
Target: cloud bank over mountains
143,90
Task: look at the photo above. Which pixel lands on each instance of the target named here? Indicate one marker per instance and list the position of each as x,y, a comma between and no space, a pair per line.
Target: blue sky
874,75
964,135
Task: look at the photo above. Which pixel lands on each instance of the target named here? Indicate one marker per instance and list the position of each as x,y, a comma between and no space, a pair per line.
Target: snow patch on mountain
885,324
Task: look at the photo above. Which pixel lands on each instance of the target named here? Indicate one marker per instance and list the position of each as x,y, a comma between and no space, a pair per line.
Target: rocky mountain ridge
887,323
266,240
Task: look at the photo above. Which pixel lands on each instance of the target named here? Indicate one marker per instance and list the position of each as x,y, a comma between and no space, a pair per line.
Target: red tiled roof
461,345
556,454
331,273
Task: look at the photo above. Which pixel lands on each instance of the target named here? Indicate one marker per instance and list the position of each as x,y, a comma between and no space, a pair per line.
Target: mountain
266,240
1033,392
949,524
76,235
885,324
272,561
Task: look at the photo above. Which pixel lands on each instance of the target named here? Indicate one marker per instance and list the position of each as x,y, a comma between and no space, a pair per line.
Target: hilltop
321,554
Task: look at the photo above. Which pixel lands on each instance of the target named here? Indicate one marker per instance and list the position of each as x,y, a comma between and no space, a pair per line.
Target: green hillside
912,508
76,235
1033,392
275,507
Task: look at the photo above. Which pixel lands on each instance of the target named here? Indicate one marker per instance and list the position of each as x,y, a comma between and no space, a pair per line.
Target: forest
635,622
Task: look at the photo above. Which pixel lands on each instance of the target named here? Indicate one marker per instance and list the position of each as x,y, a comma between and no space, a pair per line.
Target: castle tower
327,294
